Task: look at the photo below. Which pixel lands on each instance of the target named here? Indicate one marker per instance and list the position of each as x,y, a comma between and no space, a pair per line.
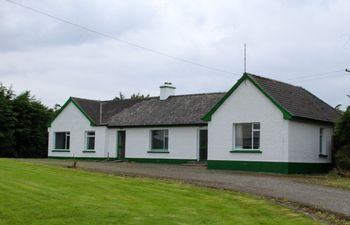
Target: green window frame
246,136
159,140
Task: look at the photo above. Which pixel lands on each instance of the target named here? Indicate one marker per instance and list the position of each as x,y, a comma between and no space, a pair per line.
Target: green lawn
38,194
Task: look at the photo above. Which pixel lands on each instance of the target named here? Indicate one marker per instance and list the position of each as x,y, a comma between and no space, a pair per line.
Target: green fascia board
270,167
160,160
286,115
81,158
71,100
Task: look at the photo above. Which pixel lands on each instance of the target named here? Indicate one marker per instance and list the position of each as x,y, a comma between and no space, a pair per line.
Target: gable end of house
246,76
71,100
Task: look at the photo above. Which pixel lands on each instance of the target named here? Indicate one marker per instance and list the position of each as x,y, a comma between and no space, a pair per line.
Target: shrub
342,157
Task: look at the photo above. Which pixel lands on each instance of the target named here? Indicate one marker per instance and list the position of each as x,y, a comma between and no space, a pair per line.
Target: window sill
158,151
89,151
323,156
60,150
246,151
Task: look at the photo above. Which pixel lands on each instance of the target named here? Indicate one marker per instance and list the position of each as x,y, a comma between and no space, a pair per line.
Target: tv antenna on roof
245,57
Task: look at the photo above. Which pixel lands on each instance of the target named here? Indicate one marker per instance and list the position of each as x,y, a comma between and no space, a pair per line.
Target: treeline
342,134
23,124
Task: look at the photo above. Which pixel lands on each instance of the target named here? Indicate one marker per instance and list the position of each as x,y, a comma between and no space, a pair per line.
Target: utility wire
300,78
322,77
314,75
118,39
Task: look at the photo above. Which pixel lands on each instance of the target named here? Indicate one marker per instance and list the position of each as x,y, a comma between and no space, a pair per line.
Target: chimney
166,90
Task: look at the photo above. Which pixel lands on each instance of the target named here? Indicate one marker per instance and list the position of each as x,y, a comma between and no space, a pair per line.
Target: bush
342,157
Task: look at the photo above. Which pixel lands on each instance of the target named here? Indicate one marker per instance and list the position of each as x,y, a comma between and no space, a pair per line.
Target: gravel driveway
321,197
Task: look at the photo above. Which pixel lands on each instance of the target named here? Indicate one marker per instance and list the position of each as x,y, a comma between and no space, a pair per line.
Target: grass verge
38,194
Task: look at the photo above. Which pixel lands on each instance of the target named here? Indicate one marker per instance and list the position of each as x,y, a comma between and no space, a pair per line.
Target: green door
203,145
121,144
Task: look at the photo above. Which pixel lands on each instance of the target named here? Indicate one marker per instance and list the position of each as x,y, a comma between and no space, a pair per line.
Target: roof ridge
267,78
152,97
78,98
196,94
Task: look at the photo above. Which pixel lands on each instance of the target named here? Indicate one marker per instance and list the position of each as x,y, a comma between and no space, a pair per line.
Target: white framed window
62,140
321,141
90,140
246,136
159,140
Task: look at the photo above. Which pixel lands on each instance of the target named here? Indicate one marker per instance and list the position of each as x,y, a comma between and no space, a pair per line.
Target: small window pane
256,126
256,139
247,136
67,140
321,141
91,143
60,140
239,136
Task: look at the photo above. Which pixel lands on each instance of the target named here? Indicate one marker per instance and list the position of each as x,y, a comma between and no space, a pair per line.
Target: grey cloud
25,30
285,39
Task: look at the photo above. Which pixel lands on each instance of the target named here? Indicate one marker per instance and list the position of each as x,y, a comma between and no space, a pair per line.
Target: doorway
121,144
203,145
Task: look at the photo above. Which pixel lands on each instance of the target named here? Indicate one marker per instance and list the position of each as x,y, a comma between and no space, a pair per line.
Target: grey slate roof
189,109
108,108
176,110
299,102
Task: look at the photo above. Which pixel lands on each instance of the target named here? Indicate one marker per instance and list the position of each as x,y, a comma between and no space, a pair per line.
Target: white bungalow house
260,125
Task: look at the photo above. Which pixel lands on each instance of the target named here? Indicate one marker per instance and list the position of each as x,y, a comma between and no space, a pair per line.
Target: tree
31,127
23,125
7,121
139,96
342,129
342,134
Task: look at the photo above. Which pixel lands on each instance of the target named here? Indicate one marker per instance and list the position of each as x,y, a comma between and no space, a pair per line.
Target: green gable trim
286,115
71,100
156,160
270,167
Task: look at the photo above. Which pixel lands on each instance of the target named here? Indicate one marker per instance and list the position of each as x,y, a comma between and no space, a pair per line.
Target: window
62,140
247,136
321,141
159,139
90,140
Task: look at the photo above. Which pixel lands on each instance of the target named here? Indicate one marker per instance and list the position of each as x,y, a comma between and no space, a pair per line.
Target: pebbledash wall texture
259,125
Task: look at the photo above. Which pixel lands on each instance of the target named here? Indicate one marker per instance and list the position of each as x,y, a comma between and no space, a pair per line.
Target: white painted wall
304,142
247,104
183,143
72,120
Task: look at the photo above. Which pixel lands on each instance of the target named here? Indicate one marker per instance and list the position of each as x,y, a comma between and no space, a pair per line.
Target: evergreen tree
31,127
7,122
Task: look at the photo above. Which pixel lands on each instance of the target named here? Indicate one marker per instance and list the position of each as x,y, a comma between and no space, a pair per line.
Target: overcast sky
285,40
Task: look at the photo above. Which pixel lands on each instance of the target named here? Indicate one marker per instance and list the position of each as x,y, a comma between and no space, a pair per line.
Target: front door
203,145
121,145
